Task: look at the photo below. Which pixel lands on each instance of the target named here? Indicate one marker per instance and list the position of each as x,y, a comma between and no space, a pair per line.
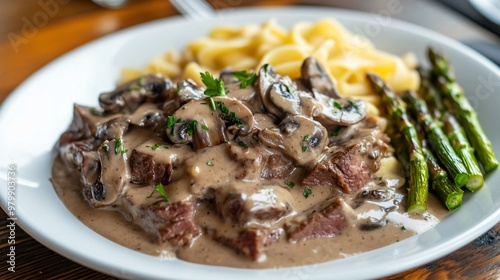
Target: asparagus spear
437,139
446,190
467,116
454,131
417,166
431,96
464,150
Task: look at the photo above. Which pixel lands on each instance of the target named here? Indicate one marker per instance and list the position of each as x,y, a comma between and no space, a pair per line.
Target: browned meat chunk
325,220
145,169
245,203
172,222
351,163
250,242
276,167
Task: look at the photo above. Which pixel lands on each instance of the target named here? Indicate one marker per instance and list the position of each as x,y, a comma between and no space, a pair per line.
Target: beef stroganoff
261,146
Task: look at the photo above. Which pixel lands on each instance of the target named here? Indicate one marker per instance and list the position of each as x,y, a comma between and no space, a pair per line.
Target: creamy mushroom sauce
208,173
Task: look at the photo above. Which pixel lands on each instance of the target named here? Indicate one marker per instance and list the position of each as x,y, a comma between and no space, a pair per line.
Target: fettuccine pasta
347,57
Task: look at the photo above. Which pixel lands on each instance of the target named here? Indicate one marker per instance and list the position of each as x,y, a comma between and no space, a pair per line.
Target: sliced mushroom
284,98
301,138
336,109
340,111
290,101
114,174
267,77
315,78
199,123
187,90
127,97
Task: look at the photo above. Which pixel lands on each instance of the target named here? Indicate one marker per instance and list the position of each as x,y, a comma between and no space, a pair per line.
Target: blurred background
34,32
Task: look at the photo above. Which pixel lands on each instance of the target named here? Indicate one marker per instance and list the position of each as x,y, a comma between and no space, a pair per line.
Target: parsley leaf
119,148
161,190
246,78
192,125
204,126
336,131
290,184
307,192
215,87
155,146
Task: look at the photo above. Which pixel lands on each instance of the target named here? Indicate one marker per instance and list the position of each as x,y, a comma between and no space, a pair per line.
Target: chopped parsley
354,104
204,126
161,190
210,163
290,184
212,104
307,192
215,87
338,105
231,116
138,86
191,126
246,78
304,147
119,148
241,143
336,131
171,120
403,228
155,146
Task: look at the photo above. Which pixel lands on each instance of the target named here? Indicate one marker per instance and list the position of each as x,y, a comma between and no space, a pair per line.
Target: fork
194,9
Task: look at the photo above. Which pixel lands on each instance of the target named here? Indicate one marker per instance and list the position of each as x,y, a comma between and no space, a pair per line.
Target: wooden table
68,24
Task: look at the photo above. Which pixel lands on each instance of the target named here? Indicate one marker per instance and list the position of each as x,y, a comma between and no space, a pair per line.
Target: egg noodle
345,56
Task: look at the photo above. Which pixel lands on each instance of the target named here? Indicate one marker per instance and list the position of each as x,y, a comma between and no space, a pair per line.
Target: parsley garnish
230,114
155,146
290,184
170,121
336,131
204,126
246,78
160,189
338,105
242,144
119,148
191,126
403,228
212,104
307,192
304,147
138,86
210,163
215,87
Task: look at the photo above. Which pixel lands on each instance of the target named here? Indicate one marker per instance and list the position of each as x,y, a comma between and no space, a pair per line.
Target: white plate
34,116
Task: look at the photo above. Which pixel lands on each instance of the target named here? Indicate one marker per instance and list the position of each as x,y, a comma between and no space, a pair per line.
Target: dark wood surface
76,22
